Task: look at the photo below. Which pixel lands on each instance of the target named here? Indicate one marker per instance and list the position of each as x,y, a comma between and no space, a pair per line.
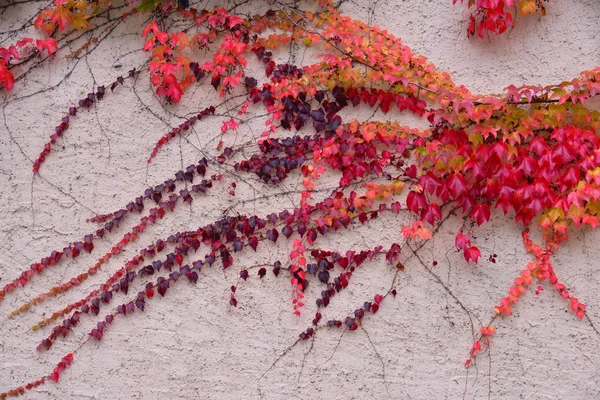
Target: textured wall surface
193,344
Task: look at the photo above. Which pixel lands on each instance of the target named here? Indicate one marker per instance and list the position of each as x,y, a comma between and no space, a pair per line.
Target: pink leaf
462,241
49,44
378,299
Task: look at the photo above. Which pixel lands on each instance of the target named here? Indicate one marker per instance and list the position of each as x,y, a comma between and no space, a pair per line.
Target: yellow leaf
439,165
527,7
476,139
593,207
398,186
575,212
556,213
80,22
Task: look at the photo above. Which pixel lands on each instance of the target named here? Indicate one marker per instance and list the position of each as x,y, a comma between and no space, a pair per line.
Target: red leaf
54,376
571,177
431,213
411,171
415,201
429,182
24,41
456,185
152,26
472,253
6,77
538,145
68,359
343,262
161,36
481,213
171,88
471,28
385,104
179,259
527,165
503,203
253,242
562,154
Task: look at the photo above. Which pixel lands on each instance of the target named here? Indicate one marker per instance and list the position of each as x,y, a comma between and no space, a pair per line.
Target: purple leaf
163,285
272,235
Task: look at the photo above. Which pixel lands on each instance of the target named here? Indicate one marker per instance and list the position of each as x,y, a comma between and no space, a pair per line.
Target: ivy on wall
532,153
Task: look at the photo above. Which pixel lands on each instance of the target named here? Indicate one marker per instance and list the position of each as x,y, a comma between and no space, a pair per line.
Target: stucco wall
192,344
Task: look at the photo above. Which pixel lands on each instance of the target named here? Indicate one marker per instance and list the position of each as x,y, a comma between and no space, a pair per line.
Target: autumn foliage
532,153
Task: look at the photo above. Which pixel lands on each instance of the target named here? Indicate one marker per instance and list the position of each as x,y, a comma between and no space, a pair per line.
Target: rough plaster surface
192,344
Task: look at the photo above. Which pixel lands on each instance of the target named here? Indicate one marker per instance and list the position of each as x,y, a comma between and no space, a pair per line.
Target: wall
193,344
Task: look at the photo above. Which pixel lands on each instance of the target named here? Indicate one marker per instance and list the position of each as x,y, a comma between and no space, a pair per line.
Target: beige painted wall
192,344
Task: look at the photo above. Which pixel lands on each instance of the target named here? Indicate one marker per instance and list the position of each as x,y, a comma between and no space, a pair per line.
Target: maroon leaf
276,268
262,272
393,253
311,236
192,276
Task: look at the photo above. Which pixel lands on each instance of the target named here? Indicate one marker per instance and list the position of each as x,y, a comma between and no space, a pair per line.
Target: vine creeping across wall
532,153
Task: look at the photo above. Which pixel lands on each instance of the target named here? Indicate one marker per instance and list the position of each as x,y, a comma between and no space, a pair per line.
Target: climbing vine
532,152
